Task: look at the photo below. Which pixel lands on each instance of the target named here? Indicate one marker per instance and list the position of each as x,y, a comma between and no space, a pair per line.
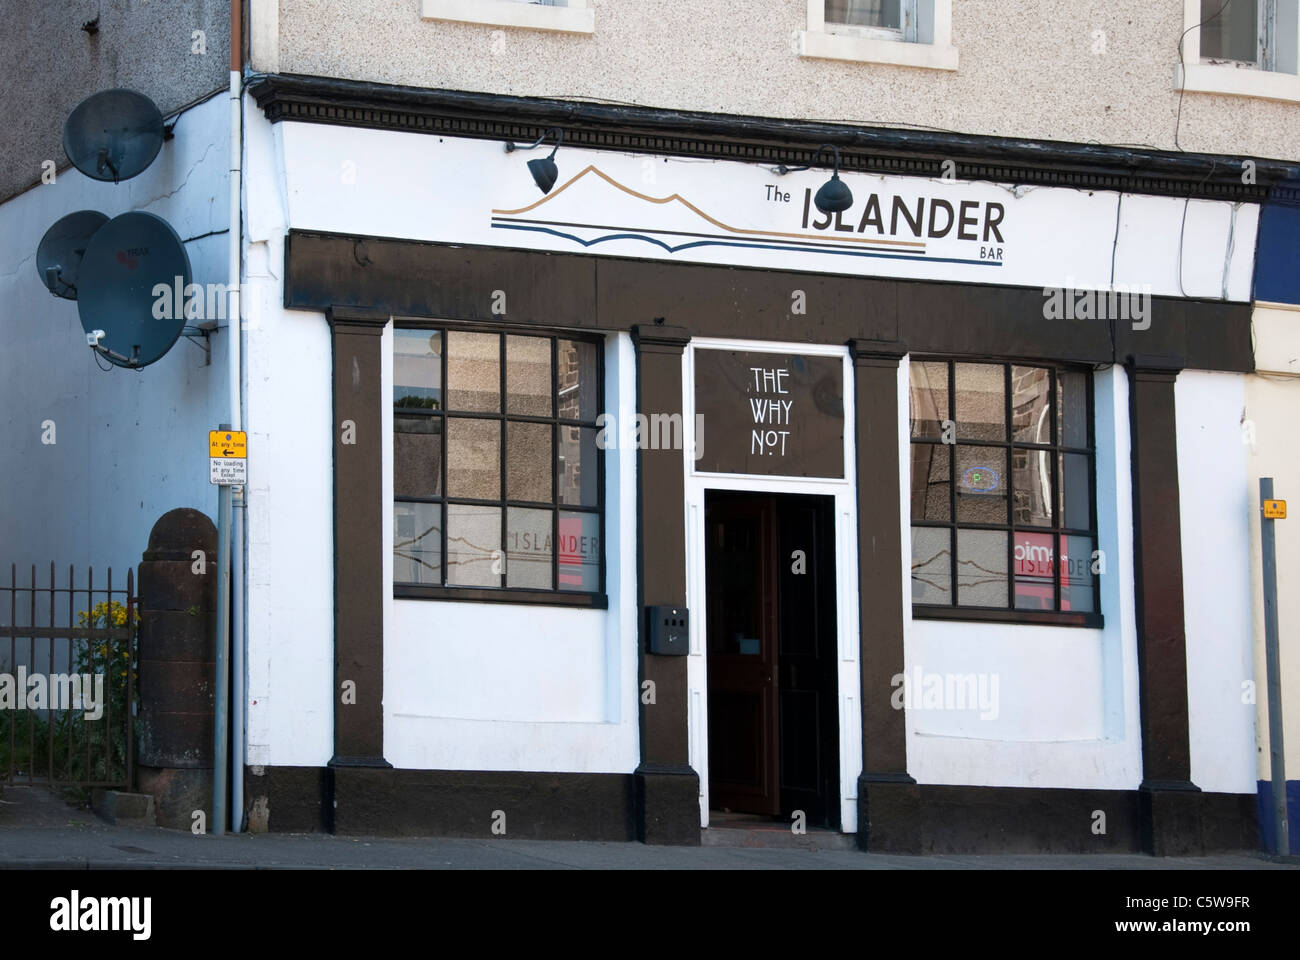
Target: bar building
663,496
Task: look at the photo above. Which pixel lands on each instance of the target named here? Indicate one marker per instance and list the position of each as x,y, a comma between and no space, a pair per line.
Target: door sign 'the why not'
770,414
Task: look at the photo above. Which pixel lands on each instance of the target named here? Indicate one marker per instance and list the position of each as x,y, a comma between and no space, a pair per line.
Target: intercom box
669,630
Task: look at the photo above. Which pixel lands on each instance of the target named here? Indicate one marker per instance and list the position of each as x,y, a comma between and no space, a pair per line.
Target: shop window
1241,47
565,16
1002,492
910,33
497,477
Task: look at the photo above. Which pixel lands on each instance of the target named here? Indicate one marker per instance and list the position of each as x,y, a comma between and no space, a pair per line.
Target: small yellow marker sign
228,443
1275,509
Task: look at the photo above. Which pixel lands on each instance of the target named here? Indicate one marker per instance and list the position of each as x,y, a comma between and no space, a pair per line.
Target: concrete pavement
38,831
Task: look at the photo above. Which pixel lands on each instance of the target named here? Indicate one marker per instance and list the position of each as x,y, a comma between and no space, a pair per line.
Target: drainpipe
237,594
228,715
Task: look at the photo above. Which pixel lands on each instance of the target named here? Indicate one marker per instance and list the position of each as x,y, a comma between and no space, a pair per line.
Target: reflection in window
1002,487
497,478
865,13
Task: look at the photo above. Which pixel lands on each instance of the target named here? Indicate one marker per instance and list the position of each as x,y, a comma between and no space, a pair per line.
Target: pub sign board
769,414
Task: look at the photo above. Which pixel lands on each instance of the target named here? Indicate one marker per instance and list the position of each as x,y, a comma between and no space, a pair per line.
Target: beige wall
50,64
1027,67
1272,412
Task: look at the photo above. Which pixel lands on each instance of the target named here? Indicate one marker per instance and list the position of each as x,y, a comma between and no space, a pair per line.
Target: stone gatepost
178,627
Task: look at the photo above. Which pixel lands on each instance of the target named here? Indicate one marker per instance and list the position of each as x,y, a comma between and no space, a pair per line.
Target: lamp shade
544,173
834,196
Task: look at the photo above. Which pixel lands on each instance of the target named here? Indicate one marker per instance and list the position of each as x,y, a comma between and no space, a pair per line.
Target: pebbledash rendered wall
127,445
465,685
1093,72
57,54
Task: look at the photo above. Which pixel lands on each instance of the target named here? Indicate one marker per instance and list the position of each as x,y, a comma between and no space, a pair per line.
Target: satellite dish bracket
54,280
169,130
204,332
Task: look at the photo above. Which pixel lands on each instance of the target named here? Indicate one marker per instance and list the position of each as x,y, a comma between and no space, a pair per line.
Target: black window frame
1009,445
555,596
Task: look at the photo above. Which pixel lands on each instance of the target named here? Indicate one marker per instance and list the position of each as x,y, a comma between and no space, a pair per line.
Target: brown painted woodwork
358,536
436,281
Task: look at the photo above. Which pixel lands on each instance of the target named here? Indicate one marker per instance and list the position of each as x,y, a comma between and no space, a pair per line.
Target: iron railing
68,681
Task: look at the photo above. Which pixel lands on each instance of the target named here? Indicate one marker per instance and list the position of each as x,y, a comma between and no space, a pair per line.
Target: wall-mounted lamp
544,171
834,195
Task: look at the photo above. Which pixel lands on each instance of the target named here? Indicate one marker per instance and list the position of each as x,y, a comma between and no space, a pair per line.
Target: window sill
899,53
1237,81
1040,617
545,598
508,13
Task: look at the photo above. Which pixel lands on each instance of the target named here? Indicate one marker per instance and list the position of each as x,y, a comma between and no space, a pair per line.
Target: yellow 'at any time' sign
225,444
1275,509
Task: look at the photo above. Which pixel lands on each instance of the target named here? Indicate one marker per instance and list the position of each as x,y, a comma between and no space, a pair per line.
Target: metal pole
220,688
1272,666
237,667
235,637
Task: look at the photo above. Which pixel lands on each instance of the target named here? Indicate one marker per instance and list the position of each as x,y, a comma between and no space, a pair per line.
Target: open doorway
771,646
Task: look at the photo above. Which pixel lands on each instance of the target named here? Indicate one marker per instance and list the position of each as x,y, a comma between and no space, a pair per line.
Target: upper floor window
1003,517
1241,47
1244,31
910,33
497,475
892,19
564,16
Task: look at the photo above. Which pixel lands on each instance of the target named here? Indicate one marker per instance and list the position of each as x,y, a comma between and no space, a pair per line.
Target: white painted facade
467,685
1067,711
1215,502
128,445
1268,434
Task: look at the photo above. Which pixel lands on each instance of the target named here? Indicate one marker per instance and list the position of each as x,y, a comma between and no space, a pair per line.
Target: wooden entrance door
741,583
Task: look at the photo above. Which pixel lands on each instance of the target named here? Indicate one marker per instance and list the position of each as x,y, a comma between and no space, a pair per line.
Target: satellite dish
113,135
58,258
127,258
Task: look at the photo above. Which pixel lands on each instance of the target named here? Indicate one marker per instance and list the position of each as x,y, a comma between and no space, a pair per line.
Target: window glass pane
930,481
931,565
417,543
981,401
417,456
576,380
981,568
1029,406
576,476
528,548
473,372
1032,472
417,369
929,401
579,559
528,376
528,461
474,459
1231,34
981,485
1032,559
1074,491
1072,409
473,545
1076,575
864,13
